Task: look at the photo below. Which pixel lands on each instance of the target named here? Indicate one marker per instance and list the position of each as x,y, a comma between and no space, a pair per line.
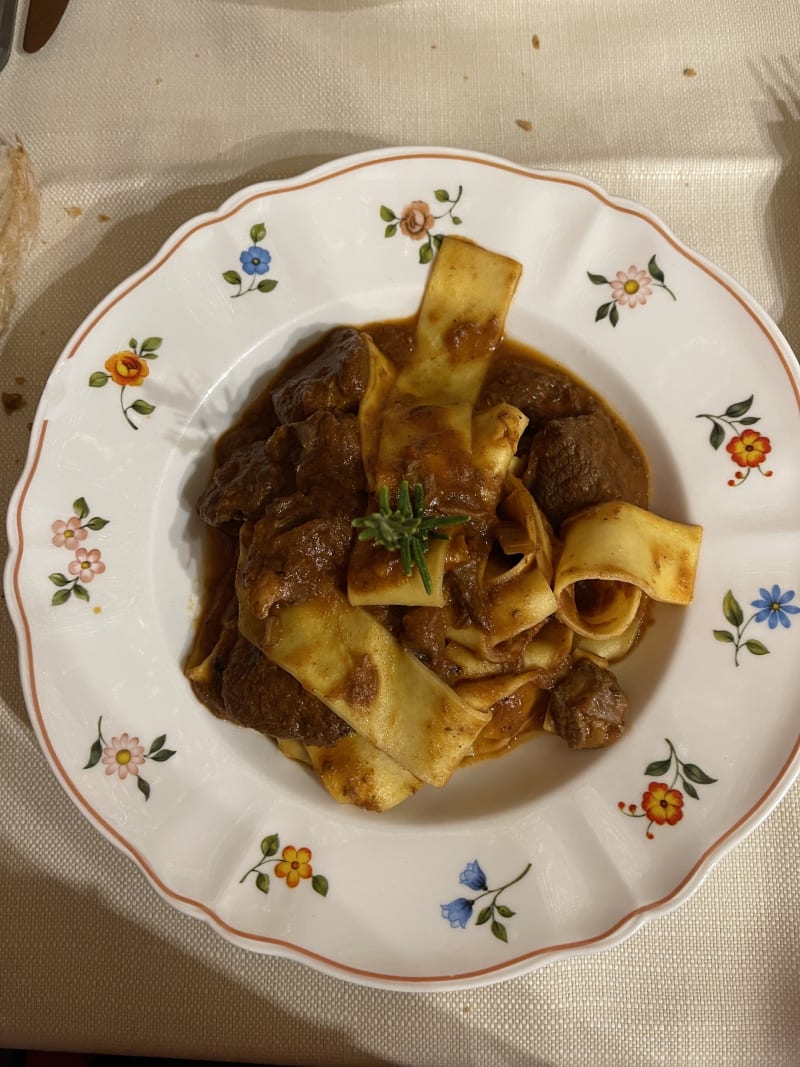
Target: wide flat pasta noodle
344,656
355,772
614,552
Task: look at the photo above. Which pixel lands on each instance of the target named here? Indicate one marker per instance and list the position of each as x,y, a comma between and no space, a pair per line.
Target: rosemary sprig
406,529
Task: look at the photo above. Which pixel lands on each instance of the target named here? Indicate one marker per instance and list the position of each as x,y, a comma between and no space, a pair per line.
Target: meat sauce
295,451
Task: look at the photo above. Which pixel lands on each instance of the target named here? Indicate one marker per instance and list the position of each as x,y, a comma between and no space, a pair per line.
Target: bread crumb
104,218
689,72
524,124
535,41
74,211
12,402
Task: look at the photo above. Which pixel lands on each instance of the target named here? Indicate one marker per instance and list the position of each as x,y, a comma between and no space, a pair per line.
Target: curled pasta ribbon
612,554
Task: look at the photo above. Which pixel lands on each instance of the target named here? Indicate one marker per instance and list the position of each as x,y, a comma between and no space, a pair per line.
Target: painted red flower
662,804
750,449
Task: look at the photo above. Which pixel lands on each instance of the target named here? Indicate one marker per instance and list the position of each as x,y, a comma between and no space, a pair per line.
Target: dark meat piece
588,707
330,458
259,694
540,394
424,631
334,381
583,460
250,479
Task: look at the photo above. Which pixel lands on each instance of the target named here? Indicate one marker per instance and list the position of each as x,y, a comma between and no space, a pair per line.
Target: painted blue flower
775,606
457,912
255,260
473,876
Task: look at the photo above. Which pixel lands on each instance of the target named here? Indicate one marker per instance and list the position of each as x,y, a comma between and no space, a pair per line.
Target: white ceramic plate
545,853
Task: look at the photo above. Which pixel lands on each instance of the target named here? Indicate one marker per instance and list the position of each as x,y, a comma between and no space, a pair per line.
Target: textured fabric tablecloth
138,116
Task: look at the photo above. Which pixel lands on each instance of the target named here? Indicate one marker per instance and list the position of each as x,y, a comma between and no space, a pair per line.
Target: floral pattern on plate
417,221
123,755
458,912
293,867
629,289
85,564
747,448
128,369
662,803
255,261
774,606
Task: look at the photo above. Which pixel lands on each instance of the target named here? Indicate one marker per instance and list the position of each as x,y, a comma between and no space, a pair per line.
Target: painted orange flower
416,220
294,865
662,804
126,368
750,449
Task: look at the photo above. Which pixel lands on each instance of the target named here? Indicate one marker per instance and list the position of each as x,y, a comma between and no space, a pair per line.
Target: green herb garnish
406,529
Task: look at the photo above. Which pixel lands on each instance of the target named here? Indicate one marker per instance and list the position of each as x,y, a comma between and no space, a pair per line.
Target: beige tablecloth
141,114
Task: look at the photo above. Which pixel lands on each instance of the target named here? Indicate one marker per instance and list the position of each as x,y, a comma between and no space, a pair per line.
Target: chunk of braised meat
583,460
540,394
295,564
249,479
424,631
588,707
334,380
259,694
329,457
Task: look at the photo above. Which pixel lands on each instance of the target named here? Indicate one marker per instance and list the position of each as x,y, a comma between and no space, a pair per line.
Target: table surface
139,116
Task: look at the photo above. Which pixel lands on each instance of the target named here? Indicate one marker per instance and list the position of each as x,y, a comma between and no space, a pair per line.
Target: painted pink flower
87,564
631,287
67,534
123,756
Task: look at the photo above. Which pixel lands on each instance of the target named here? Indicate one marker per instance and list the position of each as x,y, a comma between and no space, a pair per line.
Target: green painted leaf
717,435
602,311
484,915
232,277
505,911
262,881
133,343
319,883
690,789
266,285
98,379
81,592
258,232
157,744
426,253
270,845
143,786
660,766
655,270
387,214
390,230
151,344
95,752
455,220
752,646
442,195
437,239
59,579
97,523
163,755
499,931
725,636
597,279
735,411
80,507
61,597
732,609
694,774
613,315
750,420
141,407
